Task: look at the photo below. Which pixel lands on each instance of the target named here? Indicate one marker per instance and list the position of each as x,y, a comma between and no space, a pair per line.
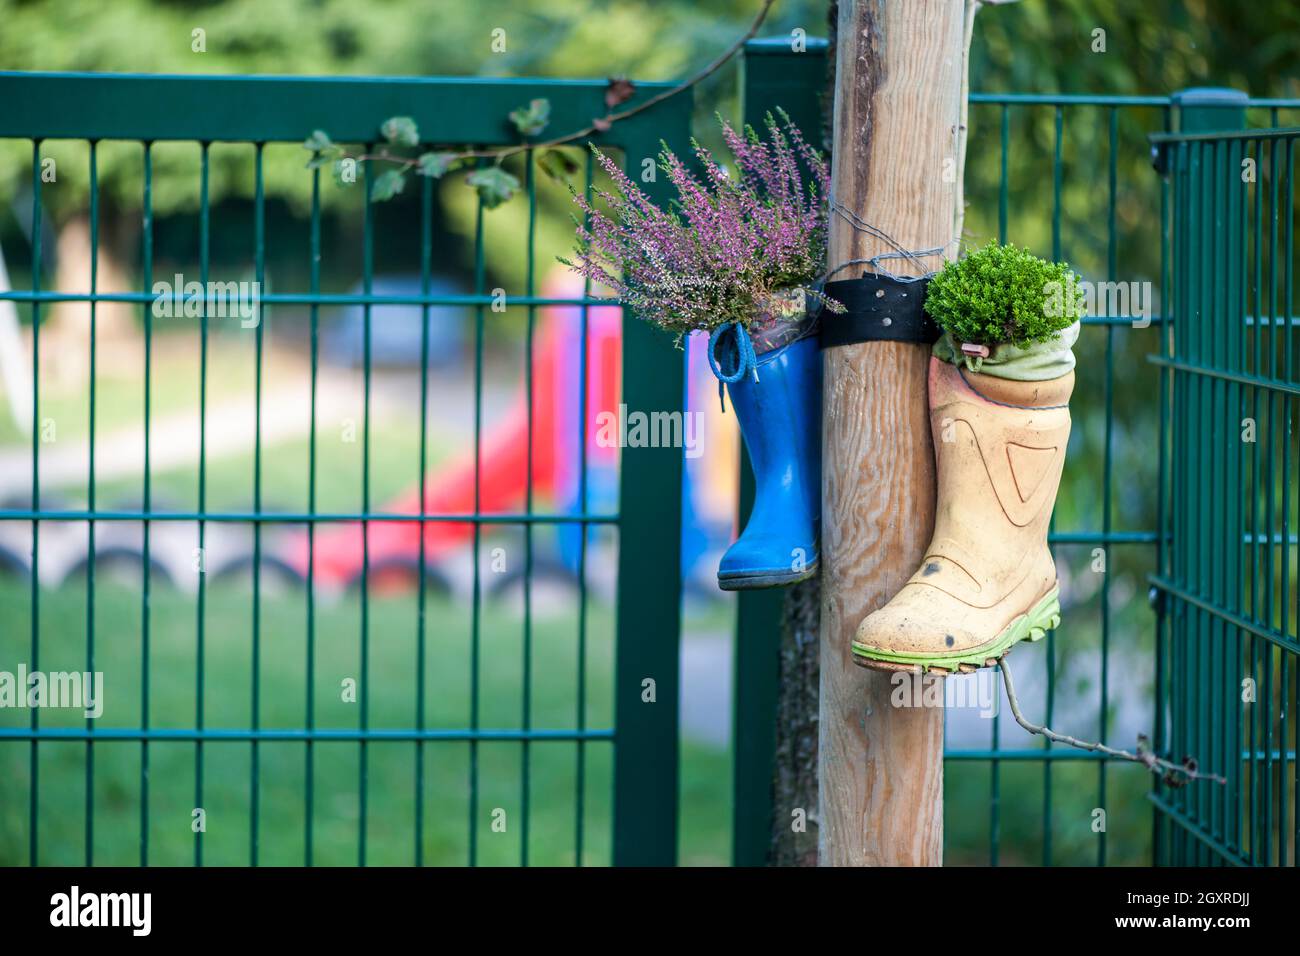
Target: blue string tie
737,351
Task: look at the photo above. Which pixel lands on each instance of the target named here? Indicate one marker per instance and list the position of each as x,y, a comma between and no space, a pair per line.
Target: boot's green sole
1031,626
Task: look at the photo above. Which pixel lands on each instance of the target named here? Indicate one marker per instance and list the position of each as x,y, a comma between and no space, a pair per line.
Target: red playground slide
502,474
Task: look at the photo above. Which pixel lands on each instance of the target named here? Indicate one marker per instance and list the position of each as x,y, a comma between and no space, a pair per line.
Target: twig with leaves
494,184
1173,774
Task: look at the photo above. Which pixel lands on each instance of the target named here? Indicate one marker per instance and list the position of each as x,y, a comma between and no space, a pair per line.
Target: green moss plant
1004,294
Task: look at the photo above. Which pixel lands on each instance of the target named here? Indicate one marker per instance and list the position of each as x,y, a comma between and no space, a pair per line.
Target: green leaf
401,131
324,157
495,186
436,165
557,164
318,141
387,185
532,119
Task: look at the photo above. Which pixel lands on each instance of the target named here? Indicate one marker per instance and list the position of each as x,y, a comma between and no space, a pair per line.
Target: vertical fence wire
1162,498
476,598
525,783
1213,518
33,807
1112,270
426,266
310,718
580,785
1270,581
205,252
146,507
1233,334
90,495
367,284
1050,708
255,756
1287,313
309,756
995,765
1258,559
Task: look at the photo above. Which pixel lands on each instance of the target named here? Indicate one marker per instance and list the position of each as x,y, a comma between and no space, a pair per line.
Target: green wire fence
1160,483
1019,195
1229,628
211,111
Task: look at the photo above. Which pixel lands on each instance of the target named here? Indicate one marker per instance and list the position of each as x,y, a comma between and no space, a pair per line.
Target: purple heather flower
727,245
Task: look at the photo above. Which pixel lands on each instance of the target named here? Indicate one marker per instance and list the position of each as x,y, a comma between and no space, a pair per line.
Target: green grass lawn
552,789
391,767
340,445
285,476
1023,807
119,391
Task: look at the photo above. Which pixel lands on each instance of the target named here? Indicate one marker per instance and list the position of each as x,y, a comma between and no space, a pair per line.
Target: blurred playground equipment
539,442
533,454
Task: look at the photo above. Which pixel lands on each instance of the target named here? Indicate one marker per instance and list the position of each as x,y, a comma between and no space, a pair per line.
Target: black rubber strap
880,309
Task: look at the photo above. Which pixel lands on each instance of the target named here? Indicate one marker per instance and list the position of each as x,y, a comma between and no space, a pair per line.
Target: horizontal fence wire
305,518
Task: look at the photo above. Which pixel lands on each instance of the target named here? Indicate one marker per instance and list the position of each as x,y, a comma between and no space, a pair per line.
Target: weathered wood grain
897,110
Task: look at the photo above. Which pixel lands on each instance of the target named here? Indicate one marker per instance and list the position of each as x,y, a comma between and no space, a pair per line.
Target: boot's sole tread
753,581
1030,626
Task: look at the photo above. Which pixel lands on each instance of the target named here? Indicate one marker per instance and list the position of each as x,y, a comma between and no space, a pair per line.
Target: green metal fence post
647,670
1210,109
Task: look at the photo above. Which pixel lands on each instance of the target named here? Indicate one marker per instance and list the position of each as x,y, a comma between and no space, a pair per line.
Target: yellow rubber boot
987,581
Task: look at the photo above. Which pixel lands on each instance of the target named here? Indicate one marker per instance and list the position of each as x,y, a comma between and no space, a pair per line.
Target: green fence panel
776,75
209,111
1228,663
1222,545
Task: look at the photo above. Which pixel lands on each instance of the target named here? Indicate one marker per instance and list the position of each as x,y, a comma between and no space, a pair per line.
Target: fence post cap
1210,109
1210,96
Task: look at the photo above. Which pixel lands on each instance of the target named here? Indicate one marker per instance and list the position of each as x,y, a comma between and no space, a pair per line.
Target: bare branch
1174,774
603,123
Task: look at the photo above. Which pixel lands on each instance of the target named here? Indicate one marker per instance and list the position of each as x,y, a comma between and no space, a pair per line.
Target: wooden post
899,66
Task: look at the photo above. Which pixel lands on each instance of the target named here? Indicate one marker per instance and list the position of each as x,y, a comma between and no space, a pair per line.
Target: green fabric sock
1037,363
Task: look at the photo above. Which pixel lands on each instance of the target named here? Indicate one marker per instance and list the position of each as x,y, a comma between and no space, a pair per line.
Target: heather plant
731,248
1000,294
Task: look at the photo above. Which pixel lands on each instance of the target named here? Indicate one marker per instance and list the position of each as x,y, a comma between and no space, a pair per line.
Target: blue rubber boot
779,410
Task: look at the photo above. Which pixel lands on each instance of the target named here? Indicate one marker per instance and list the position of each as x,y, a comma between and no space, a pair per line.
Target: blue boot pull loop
738,352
